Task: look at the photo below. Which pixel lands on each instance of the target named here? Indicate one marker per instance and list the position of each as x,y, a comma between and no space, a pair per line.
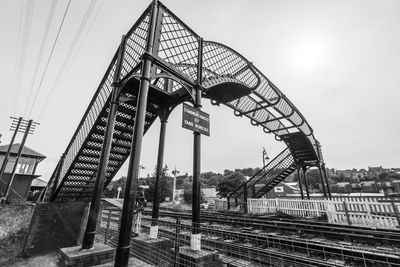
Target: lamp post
174,172
264,156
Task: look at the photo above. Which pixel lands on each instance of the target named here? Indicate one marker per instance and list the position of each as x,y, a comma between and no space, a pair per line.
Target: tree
230,182
209,179
214,180
248,171
188,193
112,188
166,184
227,172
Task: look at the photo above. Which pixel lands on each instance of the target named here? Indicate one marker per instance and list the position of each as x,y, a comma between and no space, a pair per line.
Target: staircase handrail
255,175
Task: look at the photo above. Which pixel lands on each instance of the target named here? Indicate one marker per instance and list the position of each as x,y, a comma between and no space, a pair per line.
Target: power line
23,48
71,49
41,50
51,54
17,52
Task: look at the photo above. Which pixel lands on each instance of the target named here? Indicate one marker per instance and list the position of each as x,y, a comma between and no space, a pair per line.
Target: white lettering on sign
196,114
195,120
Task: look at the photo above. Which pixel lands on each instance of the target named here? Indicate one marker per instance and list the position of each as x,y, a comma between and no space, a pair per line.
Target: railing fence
340,211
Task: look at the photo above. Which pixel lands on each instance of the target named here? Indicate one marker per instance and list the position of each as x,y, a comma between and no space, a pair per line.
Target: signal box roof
26,151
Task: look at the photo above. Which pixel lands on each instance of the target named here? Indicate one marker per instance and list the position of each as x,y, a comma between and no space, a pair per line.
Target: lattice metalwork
175,65
135,44
223,64
274,172
82,154
178,45
79,182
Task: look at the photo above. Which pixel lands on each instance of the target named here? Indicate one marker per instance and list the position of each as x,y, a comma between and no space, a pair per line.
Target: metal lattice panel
135,44
178,45
273,173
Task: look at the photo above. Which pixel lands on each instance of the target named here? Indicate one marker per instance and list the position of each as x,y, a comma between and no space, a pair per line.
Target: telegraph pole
14,126
29,127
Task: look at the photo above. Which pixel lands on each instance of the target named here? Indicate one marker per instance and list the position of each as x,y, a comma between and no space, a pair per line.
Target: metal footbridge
181,61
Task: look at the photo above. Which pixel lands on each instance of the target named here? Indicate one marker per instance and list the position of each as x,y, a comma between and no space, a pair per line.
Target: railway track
363,235
249,240
264,248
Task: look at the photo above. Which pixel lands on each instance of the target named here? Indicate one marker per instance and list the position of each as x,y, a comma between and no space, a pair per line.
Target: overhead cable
70,50
48,60
41,51
19,74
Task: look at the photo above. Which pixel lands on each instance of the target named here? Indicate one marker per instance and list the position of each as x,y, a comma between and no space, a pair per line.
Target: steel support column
9,184
124,239
94,210
322,181
160,163
326,180
306,182
7,157
245,198
195,240
300,184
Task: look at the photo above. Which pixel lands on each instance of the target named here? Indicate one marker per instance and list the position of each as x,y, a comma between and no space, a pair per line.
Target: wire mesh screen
135,44
277,169
178,45
227,243
222,64
78,171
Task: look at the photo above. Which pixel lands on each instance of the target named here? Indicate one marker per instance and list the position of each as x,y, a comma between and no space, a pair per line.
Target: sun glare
308,54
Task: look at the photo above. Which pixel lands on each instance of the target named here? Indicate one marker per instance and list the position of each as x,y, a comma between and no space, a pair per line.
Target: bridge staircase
78,181
265,179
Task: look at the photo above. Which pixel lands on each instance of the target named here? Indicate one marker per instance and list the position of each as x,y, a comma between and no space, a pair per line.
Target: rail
244,246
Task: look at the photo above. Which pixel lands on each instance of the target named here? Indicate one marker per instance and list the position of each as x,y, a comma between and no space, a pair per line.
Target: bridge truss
226,78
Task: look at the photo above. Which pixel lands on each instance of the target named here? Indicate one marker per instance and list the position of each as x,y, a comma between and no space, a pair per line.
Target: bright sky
338,61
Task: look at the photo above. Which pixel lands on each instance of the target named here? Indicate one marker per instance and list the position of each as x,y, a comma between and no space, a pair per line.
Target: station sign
195,120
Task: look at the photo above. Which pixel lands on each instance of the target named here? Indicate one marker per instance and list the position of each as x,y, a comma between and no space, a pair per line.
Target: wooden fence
352,212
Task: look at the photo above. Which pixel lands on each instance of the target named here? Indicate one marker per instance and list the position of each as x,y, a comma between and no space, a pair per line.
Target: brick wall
55,225
14,225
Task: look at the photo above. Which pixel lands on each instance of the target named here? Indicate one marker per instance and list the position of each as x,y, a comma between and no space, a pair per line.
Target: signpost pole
195,239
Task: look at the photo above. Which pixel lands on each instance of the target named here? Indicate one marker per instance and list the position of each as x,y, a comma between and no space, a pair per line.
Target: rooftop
26,151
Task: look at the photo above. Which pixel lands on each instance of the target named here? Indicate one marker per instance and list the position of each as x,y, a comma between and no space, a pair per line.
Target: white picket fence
353,212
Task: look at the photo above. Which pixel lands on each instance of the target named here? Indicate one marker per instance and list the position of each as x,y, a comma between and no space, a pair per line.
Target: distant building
36,188
24,173
342,188
209,194
374,172
284,189
369,187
